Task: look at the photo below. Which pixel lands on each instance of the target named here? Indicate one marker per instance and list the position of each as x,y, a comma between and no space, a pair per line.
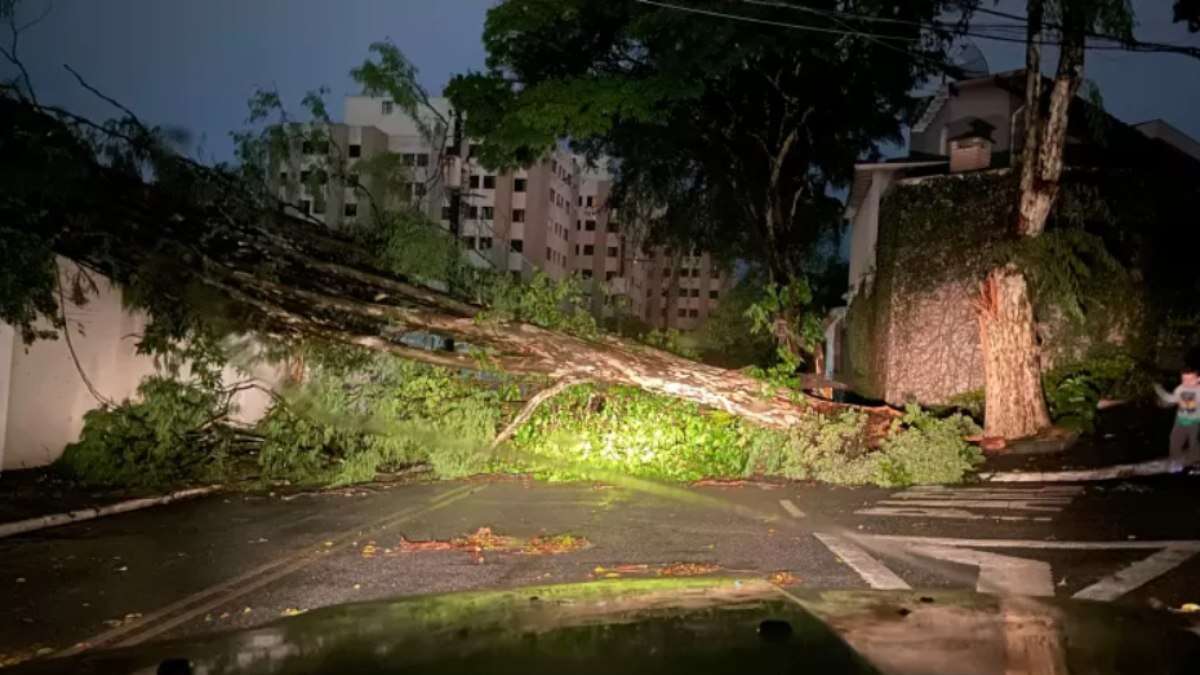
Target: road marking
1007,574
954,503
166,618
1037,543
999,574
871,570
791,508
1016,505
1137,574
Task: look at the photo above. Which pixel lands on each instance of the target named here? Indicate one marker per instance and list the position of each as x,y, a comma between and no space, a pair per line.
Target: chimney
972,149
970,154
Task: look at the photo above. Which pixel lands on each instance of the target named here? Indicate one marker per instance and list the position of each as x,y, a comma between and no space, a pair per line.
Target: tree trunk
203,234
1014,406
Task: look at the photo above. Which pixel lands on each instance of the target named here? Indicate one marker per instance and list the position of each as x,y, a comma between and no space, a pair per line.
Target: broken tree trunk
201,229
1010,357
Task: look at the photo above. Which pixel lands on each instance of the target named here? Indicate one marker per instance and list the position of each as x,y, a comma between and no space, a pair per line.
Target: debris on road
784,578
485,540
679,569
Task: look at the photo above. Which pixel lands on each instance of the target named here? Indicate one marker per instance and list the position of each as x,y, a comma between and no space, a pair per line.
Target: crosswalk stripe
1016,504
1004,574
791,508
871,570
1137,574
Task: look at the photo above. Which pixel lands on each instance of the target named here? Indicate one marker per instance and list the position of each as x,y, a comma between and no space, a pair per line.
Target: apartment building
551,216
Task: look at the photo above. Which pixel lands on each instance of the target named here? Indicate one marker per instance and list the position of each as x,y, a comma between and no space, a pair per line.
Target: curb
1157,467
56,519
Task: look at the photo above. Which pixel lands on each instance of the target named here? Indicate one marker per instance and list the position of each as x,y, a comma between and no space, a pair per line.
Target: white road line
1015,505
1185,545
871,570
1048,491
1001,574
791,508
983,496
1137,574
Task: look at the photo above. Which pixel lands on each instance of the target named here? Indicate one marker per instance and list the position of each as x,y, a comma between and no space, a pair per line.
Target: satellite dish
969,59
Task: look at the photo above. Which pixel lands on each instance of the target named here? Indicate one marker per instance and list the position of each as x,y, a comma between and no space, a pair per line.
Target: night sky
193,64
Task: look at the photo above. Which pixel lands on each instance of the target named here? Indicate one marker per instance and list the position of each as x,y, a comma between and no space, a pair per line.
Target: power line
1136,47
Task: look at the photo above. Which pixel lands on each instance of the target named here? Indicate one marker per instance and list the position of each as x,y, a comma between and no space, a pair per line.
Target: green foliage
358,415
676,98
970,402
391,74
627,431
27,282
586,432
673,340
165,436
1073,390
726,338
787,313
541,301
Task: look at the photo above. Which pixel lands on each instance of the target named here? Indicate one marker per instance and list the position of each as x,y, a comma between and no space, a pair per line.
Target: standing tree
728,131
1015,405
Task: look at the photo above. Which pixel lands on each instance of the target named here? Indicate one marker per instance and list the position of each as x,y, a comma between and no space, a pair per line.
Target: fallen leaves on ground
679,569
485,540
292,611
784,578
688,569
717,482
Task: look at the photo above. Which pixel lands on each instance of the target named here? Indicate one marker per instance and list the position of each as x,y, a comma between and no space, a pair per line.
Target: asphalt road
228,561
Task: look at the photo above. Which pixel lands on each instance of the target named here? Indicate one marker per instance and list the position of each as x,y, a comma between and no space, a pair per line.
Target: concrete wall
43,397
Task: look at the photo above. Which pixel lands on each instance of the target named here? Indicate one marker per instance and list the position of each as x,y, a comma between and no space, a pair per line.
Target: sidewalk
1124,435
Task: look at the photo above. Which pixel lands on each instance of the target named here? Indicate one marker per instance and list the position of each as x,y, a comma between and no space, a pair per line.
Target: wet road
234,560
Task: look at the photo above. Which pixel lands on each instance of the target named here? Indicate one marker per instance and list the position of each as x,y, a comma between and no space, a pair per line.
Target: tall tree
729,126
1015,405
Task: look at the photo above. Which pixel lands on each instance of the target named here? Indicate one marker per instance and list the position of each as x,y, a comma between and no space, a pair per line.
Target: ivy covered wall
1106,272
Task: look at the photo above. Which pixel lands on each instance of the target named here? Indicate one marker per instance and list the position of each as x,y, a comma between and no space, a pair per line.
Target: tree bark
1015,406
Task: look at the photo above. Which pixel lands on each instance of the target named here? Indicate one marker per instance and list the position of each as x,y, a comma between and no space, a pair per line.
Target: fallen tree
196,245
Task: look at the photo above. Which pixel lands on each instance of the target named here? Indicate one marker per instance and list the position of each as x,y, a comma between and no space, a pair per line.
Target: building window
354,150
446,213
350,209
683,292
474,182
552,195
519,217
716,273
283,176
422,159
665,292
579,225
386,107
580,202
318,207
612,251
609,276
304,176
516,246
590,201
410,159
473,149
489,213
548,254
306,206
695,292
352,180
667,273
588,249
589,225
473,212
611,226
696,272
576,249
518,185
469,242
587,274
306,147
713,295
416,189
485,243
489,182
682,313
693,313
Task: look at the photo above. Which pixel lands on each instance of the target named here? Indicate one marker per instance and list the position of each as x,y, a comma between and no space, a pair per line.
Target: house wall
864,232
43,397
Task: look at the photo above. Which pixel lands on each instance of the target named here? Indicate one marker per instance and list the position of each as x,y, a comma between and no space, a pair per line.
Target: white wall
43,397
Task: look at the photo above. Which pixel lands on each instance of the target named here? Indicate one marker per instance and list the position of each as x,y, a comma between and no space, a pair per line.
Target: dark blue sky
192,64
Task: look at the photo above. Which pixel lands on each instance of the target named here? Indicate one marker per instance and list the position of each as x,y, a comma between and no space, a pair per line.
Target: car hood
682,625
